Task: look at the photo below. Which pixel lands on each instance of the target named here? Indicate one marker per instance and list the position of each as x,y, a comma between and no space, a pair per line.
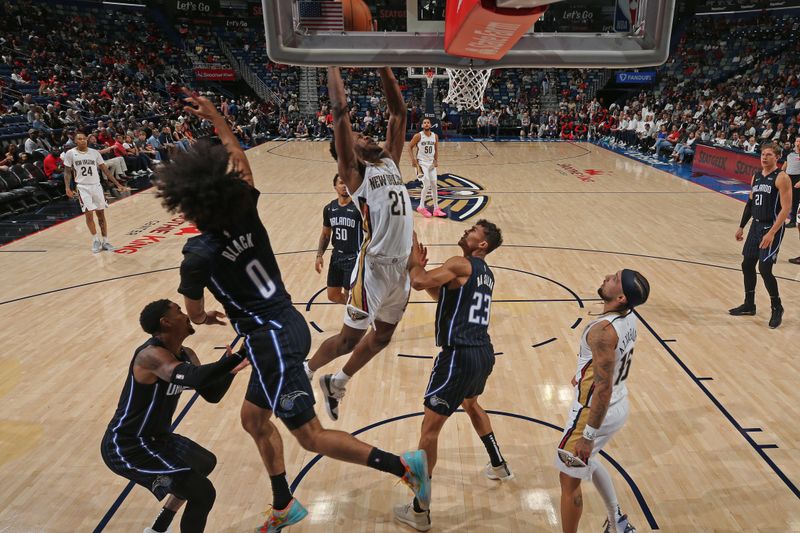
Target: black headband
635,293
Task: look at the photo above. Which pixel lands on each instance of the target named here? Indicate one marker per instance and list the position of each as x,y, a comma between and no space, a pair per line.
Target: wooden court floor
711,444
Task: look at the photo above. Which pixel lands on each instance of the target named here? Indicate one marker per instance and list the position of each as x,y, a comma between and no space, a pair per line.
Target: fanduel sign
646,76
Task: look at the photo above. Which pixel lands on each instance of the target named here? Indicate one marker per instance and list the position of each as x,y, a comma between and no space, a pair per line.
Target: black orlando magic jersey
239,268
462,315
766,197
146,410
345,224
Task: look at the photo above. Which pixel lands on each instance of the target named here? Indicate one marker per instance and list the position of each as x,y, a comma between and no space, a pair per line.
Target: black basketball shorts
751,248
459,372
278,381
155,463
340,270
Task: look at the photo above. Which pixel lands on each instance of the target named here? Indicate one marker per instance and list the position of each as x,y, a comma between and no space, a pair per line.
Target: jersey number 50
260,279
479,311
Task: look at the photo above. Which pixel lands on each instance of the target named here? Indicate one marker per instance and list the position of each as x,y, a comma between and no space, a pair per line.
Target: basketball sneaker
407,515
416,476
97,246
424,212
623,526
743,310
499,473
332,395
777,317
151,530
278,520
439,213
108,247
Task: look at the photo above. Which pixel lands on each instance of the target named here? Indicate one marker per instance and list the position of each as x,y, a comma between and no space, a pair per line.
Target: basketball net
429,77
467,86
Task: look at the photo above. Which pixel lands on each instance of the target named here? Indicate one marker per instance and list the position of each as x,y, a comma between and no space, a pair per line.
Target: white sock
105,239
341,379
309,372
603,484
96,237
424,194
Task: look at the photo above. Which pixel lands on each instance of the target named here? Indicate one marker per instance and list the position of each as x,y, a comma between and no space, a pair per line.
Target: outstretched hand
419,254
199,105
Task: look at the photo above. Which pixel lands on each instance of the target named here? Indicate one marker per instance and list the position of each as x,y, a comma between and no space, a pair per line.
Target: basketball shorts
566,460
91,196
379,290
340,270
751,248
278,382
459,372
155,463
429,174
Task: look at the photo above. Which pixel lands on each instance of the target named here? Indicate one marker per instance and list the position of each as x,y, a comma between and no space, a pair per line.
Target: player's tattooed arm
154,363
602,339
67,181
111,177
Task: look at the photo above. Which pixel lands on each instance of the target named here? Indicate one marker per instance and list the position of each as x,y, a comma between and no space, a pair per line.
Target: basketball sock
309,372
386,462
95,237
281,496
750,279
493,449
750,298
603,484
417,507
163,520
340,379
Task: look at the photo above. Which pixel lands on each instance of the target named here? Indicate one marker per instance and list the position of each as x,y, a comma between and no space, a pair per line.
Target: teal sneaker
278,520
416,476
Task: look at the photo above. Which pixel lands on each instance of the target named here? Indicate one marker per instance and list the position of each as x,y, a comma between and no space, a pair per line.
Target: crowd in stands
117,76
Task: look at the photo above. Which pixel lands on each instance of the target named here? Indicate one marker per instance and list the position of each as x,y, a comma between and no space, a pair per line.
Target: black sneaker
743,310
332,395
777,317
795,260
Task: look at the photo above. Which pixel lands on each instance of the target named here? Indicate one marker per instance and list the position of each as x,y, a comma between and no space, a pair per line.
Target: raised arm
396,130
342,131
454,269
203,108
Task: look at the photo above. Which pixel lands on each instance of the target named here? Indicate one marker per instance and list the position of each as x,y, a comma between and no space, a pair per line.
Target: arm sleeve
748,212
326,216
214,391
198,377
195,275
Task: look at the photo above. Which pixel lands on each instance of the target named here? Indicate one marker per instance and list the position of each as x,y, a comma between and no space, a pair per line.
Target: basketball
357,16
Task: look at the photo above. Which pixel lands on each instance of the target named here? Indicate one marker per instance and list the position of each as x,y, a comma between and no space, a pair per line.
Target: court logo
459,197
287,400
570,460
161,481
356,314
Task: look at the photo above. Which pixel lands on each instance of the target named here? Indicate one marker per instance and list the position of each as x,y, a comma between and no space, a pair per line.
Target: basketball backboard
572,33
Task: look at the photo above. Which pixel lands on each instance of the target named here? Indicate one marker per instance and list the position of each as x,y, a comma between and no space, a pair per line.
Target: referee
792,168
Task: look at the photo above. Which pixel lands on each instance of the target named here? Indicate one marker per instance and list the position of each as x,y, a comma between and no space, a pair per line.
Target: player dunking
600,408
463,287
426,161
84,164
769,204
213,188
379,286
139,444
340,220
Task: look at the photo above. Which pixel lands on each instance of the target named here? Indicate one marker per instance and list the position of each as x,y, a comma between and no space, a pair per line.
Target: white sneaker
96,246
499,473
151,530
333,395
407,515
108,247
623,526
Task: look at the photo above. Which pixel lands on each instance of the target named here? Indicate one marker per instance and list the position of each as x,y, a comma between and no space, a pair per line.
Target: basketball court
707,447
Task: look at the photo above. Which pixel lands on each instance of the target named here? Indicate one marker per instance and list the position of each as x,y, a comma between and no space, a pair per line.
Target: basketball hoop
467,86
